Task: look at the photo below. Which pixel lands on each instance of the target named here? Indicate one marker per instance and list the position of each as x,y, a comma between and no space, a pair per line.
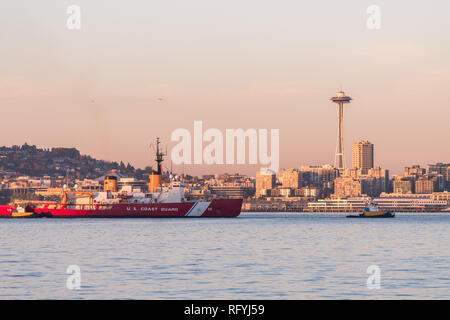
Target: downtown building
232,192
319,176
306,182
362,155
416,180
362,179
396,204
354,183
292,178
442,169
265,182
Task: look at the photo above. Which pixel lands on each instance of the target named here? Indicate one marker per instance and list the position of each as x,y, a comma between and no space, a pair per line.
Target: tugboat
27,212
372,211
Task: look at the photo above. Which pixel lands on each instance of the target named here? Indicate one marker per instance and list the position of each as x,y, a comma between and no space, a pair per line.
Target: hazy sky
141,69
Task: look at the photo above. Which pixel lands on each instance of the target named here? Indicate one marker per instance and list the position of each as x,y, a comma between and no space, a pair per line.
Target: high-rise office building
265,180
292,178
362,155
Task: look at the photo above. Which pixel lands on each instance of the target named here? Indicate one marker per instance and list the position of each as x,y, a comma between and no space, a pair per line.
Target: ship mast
155,176
159,156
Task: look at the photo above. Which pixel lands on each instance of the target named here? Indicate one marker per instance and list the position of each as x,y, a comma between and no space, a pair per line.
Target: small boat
27,212
372,211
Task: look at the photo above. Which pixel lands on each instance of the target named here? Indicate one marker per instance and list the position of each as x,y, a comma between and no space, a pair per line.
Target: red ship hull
217,208
6,211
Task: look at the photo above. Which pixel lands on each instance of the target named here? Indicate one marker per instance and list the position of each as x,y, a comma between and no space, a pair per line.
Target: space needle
340,100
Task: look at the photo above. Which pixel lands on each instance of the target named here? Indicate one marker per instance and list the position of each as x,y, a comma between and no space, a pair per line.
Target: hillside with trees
32,161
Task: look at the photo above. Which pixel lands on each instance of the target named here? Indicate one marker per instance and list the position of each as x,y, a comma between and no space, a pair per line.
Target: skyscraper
362,155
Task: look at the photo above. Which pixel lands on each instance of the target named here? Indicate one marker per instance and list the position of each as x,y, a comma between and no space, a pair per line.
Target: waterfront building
292,178
265,180
357,182
338,205
415,180
282,192
414,171
423,185
232,192
410,204
345,187
308,191
403,185
442,169
292,204
319,176
435,195
396,204
363,155
441,196
429,184
382,180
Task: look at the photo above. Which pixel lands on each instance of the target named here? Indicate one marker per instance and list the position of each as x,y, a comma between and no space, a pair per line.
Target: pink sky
232,65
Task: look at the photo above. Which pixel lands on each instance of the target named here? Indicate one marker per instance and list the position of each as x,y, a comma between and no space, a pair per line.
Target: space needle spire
340,99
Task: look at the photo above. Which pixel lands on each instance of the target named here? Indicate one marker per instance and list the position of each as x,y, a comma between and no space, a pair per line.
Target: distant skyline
138,71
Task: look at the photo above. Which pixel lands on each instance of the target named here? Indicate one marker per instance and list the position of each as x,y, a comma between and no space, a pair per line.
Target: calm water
255,256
